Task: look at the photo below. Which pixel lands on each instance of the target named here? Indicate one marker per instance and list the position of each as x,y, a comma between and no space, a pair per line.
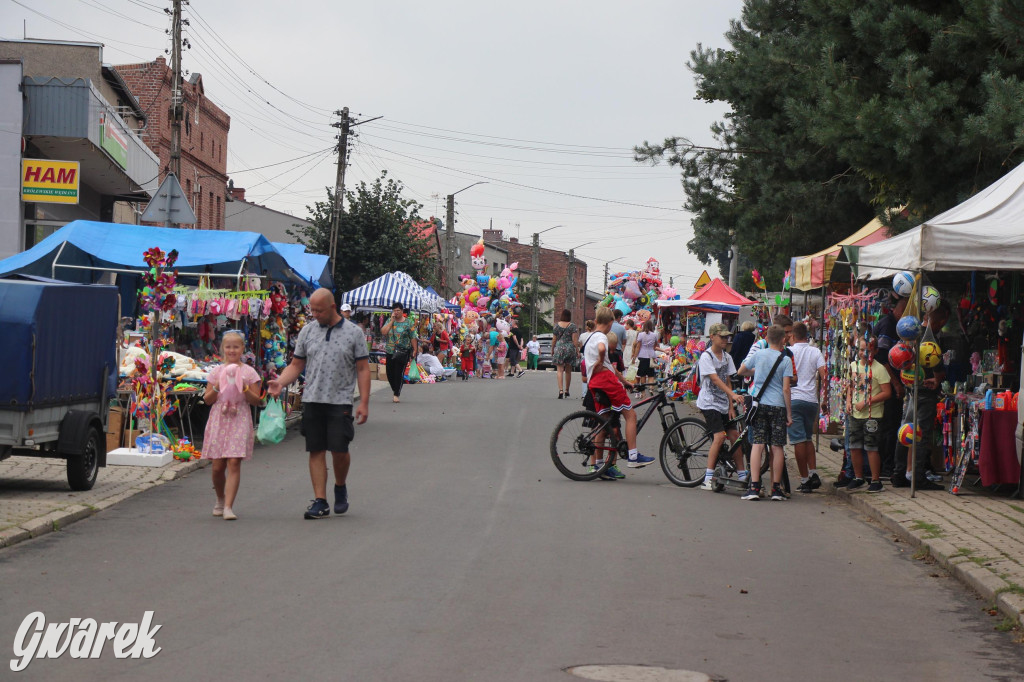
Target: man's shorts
644,368
327,427
863,434
715,420
770,426
609,383
805,416
513,355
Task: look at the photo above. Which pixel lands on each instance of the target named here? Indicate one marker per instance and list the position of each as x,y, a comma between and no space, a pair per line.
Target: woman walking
566,337
400,344
643,348
628,343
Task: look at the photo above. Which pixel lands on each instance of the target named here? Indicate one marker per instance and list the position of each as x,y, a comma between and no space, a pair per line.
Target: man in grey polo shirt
333,354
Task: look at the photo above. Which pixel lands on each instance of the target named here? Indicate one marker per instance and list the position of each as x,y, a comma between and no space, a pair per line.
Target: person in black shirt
741,343
885,334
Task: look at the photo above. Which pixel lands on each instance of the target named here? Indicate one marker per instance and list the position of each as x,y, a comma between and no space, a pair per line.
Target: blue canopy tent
312,267
83,249
386,290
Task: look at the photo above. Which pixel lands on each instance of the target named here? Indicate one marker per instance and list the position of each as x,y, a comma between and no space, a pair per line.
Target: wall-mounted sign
52,182
113,141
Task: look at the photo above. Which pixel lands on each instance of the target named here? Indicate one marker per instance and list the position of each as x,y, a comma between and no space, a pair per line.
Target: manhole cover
636,673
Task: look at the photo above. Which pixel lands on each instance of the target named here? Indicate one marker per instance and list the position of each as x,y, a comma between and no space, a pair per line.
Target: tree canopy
380,232
842,110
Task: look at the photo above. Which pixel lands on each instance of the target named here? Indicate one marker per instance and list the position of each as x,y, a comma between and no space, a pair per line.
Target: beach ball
930,354
907,376
900,356
908,328
674,341
930,298
906,435
903,284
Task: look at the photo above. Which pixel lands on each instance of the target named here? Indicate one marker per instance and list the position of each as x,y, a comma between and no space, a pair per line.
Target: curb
984,582
60,519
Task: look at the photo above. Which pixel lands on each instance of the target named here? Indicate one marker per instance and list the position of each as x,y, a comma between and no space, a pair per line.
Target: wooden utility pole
339,184
177,95
535,283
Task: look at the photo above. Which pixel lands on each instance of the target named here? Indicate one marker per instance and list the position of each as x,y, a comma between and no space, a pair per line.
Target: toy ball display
674,341
930,354
909,328
901,357
930,298
903,284
907,376
906,435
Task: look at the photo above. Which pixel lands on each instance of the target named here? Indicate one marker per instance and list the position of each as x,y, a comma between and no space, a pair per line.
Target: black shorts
513,355
715,420
327,427
644,369
770,426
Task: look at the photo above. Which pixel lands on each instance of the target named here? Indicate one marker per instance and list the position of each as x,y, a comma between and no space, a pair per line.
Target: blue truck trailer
58,355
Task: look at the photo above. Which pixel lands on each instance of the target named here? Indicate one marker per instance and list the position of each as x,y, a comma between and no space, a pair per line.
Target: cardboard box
113,441
129,438
382,373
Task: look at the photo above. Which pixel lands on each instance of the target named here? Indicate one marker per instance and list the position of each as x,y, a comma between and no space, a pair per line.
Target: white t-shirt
590,352
711,397
533,347
430,363
808,360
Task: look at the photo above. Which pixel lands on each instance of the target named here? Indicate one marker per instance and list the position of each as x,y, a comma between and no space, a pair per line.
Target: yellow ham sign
54,182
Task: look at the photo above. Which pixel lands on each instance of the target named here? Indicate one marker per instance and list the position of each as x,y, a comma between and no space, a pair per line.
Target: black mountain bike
585,443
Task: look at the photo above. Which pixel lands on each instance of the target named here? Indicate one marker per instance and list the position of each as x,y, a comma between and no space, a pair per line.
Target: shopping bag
630,374
271,429
414,372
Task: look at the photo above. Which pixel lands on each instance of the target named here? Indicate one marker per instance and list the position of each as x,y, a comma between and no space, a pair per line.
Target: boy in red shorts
602,376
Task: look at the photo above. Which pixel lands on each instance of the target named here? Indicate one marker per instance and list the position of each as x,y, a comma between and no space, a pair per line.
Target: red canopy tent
715,297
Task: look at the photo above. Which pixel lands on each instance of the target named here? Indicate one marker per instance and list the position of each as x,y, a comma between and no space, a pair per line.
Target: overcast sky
542,100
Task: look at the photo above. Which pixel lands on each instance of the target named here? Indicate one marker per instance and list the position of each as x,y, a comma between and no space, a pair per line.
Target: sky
541,101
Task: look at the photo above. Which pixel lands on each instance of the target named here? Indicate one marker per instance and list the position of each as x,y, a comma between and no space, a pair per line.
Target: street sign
702,281
169,205
50,182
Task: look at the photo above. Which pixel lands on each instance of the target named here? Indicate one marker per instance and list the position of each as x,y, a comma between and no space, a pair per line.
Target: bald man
333,354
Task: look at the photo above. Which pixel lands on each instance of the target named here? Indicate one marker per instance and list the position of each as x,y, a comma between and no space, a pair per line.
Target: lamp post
604,285
449,241
535,279
570,295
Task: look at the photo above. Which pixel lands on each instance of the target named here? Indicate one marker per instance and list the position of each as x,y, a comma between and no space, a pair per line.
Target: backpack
692,383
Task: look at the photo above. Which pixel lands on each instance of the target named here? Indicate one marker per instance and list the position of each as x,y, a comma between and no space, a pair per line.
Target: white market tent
986,232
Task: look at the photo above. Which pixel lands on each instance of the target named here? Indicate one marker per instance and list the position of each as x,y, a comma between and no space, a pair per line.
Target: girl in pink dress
228,439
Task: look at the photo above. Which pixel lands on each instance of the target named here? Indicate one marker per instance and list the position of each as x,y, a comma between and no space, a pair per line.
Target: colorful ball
909,328
674,341
930,298
907,376
900,356
903,284
906,435
930,354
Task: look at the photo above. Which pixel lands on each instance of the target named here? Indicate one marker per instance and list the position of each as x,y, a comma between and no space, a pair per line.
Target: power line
512,139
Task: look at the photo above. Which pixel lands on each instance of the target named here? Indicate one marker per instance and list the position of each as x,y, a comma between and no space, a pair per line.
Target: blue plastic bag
271,429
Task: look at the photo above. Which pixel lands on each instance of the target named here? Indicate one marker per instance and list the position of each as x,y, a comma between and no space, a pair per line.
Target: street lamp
570,296
449,240
535,279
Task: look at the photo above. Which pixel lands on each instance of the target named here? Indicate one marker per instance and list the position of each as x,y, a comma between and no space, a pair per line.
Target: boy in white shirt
810,367
716,398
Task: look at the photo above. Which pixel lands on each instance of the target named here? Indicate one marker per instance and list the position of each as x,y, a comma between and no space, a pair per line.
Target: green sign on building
112,141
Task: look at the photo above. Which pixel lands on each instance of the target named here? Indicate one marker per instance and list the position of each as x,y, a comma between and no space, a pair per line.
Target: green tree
378,234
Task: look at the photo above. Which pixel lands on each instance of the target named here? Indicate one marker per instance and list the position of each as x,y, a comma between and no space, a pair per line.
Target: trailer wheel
82,469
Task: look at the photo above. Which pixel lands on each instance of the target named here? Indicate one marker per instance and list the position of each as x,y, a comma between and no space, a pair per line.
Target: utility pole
604,284
177,100
570,295
535,283
339,184
449,246
733,260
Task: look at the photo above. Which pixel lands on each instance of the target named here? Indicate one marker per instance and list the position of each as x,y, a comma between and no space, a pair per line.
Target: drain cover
635,673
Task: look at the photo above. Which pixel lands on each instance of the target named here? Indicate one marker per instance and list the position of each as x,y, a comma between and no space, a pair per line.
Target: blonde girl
231,388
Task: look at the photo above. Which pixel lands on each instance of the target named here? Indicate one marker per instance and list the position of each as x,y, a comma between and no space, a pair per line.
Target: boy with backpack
716,397
773,412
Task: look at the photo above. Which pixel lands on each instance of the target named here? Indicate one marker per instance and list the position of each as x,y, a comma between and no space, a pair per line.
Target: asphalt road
467,556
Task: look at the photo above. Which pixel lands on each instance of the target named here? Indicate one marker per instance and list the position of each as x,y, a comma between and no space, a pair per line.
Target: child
773,373
228,439
532,352
716,397
466,351
500,352
614,354
865,406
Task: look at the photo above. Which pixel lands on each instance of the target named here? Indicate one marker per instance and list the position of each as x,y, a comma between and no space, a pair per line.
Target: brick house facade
554,268
204,136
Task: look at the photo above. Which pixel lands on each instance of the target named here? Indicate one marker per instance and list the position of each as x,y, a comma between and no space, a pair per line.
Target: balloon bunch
157,291
488,294
636,291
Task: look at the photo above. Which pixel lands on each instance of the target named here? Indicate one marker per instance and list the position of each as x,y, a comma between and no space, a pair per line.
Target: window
213,217
202,139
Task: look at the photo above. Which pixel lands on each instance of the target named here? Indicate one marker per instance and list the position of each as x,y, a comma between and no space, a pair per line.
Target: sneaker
805,487
933,477
707,485
753,493
856,483
218,509
875,487
229,515
318,510
640,461
814,481
899,480
614,472
778,495
340,499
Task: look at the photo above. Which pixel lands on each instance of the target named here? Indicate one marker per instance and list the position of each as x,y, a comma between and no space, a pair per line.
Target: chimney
493,236
513,240
237,193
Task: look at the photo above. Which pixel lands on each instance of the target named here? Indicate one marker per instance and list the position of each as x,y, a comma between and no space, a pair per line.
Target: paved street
466,556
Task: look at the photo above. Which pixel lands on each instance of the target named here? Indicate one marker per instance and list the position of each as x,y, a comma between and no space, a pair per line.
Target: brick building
204,136
554,268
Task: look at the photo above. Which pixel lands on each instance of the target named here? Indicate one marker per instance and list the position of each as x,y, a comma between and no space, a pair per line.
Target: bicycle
685,447
582,437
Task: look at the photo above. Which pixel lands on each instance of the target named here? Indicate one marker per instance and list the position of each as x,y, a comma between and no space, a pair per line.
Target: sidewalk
977,537
35,498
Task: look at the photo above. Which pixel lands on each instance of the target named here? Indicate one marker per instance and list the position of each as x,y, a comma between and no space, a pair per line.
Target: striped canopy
394,287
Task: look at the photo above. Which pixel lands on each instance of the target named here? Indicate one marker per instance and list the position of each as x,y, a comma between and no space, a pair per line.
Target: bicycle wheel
575,440
684,452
